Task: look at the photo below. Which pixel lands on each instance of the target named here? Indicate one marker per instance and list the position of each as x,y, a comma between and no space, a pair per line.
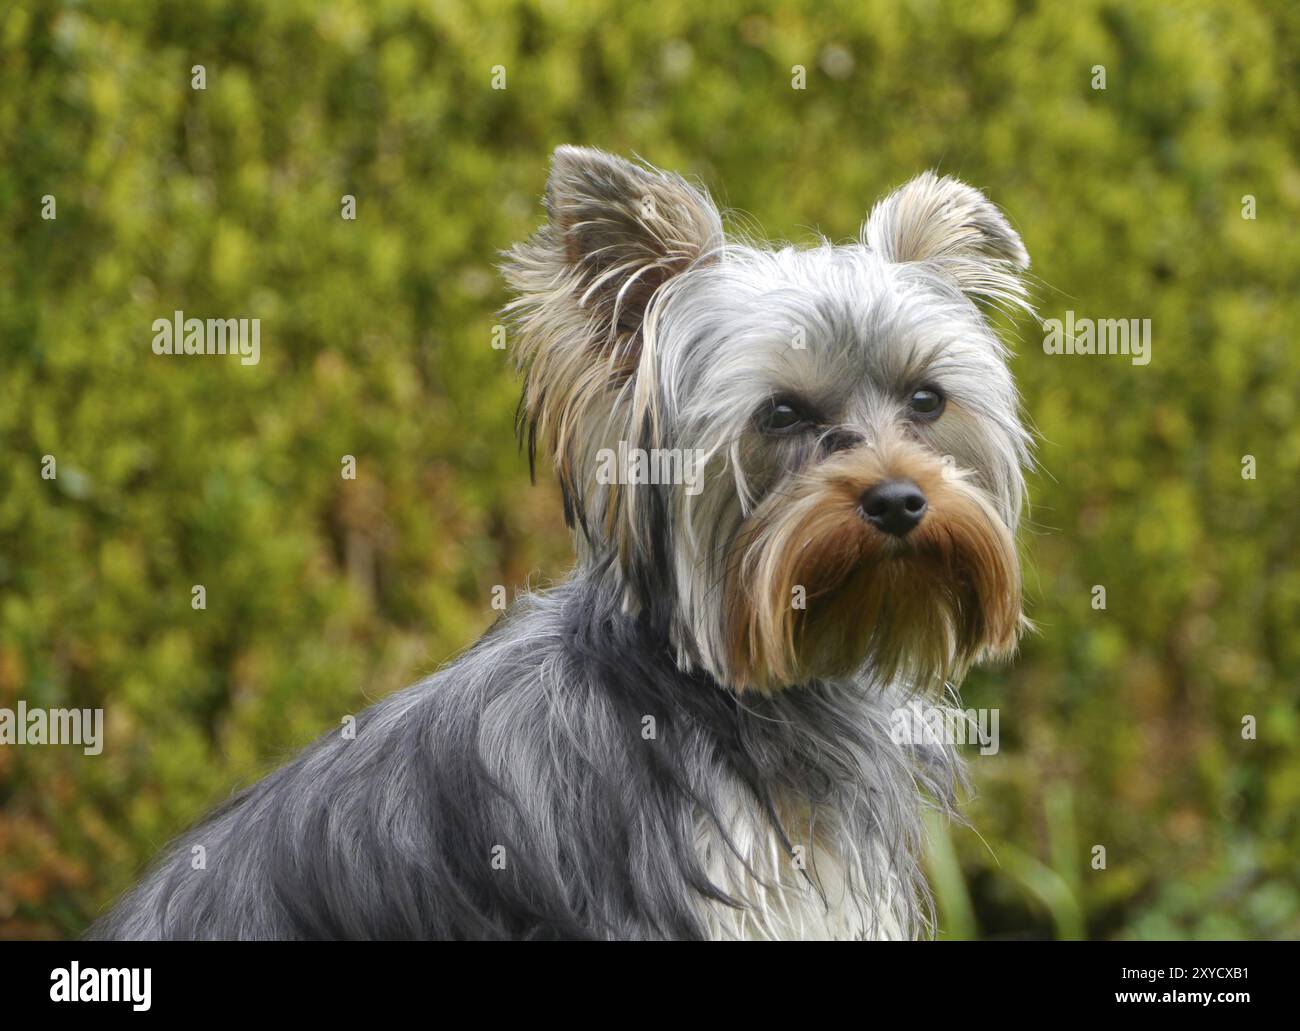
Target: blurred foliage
1120,728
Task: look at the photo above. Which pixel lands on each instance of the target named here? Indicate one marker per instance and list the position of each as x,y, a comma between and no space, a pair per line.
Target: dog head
801,463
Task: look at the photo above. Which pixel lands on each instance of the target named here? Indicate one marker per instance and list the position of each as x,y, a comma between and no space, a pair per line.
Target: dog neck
806,812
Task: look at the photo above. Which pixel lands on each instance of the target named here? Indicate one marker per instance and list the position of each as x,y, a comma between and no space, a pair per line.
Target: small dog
691,736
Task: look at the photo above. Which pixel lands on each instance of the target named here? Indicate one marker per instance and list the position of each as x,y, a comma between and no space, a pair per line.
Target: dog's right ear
955,229
617,232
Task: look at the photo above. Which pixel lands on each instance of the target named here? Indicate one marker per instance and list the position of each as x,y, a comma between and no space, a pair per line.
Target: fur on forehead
839,328
832,320
636,321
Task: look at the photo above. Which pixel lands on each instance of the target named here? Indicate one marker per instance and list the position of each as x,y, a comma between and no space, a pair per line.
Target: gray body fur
531,749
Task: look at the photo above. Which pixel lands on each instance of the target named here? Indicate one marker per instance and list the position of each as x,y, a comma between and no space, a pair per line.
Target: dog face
816,454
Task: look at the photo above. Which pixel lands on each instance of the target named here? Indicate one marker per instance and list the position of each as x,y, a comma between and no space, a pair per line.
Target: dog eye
781,417
926,403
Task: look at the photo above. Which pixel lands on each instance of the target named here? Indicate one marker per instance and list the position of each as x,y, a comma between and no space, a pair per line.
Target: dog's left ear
622,230
616,233
954,227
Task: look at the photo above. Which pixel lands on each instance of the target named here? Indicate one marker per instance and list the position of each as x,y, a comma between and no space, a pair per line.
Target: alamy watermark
33,726
179,335
635,466
941,725
1099,336
75,983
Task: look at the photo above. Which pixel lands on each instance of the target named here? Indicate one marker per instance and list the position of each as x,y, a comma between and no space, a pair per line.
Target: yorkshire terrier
793,478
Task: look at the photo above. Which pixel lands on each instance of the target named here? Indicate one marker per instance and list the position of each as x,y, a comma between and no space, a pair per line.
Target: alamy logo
179,335
109,984
940,725
53,727
1099,336
634,465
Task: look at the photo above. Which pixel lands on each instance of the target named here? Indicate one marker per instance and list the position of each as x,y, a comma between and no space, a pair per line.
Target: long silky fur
534,742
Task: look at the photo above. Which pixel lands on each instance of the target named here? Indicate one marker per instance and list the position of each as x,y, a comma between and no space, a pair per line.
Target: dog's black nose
894,506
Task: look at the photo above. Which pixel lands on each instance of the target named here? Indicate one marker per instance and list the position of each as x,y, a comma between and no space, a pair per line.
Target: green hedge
1120,727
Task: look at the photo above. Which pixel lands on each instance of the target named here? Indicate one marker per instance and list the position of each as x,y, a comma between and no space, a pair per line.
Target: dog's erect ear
954,227
623,230
617,233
